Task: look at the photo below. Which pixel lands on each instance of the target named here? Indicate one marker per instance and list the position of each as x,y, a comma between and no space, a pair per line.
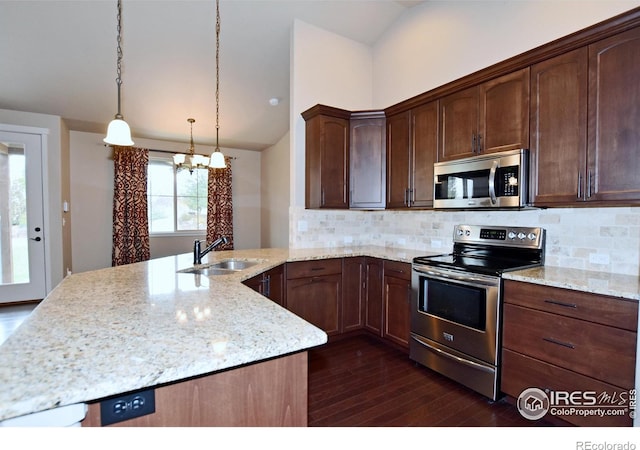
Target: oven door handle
465,278
444,354
492,183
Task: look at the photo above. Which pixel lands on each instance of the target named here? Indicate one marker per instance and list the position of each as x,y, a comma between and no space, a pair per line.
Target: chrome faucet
197,254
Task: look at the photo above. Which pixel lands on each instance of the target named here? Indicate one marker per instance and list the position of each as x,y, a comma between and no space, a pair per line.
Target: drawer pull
316,268
563,344
557,303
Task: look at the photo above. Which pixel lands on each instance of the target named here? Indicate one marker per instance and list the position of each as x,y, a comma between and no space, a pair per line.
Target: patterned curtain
220,206
130,221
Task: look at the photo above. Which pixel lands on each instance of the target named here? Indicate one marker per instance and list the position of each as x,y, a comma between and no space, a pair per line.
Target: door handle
37,239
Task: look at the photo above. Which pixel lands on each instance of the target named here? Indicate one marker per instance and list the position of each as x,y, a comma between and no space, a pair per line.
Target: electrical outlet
125,407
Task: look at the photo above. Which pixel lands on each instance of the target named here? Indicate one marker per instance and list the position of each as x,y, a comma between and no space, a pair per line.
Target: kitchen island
119,330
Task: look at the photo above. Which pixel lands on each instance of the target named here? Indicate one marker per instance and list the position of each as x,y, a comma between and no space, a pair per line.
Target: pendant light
118,132
216,160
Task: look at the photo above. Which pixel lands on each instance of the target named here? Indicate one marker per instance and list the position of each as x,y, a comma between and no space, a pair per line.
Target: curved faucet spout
198,254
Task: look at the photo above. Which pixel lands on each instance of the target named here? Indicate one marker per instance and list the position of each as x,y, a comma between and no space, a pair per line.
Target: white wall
329,69
274,193
92,200
441,41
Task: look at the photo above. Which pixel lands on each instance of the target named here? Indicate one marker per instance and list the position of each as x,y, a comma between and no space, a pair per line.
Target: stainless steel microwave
493,180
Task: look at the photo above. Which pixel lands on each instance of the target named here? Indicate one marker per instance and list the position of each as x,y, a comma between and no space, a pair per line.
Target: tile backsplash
600,239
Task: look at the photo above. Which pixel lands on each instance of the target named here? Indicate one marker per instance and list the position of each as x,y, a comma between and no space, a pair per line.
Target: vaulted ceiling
59,57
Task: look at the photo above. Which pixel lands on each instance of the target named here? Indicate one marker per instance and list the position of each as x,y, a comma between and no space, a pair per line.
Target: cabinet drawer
520,372
581,305
598,351
397,269
304,269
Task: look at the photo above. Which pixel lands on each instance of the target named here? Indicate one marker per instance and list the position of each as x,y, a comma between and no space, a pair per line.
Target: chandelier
191,160
118,132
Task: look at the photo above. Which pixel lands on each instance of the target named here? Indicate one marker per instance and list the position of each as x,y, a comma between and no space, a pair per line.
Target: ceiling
59,57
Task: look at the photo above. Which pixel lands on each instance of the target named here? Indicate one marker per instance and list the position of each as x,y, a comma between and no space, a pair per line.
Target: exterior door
22,257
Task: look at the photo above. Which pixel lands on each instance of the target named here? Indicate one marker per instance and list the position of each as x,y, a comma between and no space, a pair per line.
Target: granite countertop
611,284
125,328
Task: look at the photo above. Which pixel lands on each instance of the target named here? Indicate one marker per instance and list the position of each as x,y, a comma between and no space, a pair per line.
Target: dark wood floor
362,382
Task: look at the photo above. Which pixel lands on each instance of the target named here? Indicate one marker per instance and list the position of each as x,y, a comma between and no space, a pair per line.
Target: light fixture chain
217,72
119,53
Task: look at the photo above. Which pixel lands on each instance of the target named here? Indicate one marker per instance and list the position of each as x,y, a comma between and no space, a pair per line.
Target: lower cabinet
397,296
314,292
559,340
270,284
354,284
373,316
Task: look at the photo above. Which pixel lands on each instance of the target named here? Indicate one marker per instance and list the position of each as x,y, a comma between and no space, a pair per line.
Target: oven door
457,309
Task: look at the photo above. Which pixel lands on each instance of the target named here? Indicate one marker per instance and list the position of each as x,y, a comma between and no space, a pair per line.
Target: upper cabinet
367,160
585,124
487,118
326,157
412,140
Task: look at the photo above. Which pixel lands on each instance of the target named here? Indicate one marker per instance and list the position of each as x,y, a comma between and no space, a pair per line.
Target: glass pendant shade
217,160
179,158
118,133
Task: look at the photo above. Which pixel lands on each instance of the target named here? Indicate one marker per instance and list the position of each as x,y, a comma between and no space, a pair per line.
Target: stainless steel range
456,300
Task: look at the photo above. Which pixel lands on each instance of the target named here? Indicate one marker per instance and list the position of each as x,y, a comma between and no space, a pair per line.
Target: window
177,199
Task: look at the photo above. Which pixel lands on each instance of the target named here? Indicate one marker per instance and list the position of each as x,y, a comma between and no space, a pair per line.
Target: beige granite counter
121,329
615,285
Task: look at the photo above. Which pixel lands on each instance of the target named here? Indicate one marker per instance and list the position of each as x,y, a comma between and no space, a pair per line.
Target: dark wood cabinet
367,159
585,111
488,118
314,292
354,285
613,134
412,142
270,284
326,157
397,292
559,129
564,340
374,296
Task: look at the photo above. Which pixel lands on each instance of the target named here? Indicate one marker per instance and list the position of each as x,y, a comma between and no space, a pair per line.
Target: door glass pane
14,242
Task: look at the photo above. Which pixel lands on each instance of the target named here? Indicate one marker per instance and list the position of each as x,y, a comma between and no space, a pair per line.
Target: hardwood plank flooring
362,382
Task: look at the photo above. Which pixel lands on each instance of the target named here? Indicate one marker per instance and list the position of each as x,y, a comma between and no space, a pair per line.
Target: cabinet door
559,129
316,300
459,115
274,282
374,299
397,289
398,151
326,161
367,158
614,118
424,132
504,113
353,293
256,283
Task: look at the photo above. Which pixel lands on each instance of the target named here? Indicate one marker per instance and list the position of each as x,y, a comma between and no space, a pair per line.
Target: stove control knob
467,232
521,235
532,236
512,235
459,232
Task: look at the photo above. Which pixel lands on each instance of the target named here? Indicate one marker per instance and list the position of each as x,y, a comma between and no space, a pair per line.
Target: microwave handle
492,183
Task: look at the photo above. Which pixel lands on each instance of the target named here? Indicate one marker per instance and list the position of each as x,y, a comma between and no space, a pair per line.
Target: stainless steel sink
207,271
226,267
233,264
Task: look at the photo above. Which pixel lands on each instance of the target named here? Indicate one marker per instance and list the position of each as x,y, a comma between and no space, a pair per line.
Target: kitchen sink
226,267
233,264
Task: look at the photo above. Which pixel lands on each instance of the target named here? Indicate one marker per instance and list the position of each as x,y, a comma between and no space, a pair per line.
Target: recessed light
274,101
